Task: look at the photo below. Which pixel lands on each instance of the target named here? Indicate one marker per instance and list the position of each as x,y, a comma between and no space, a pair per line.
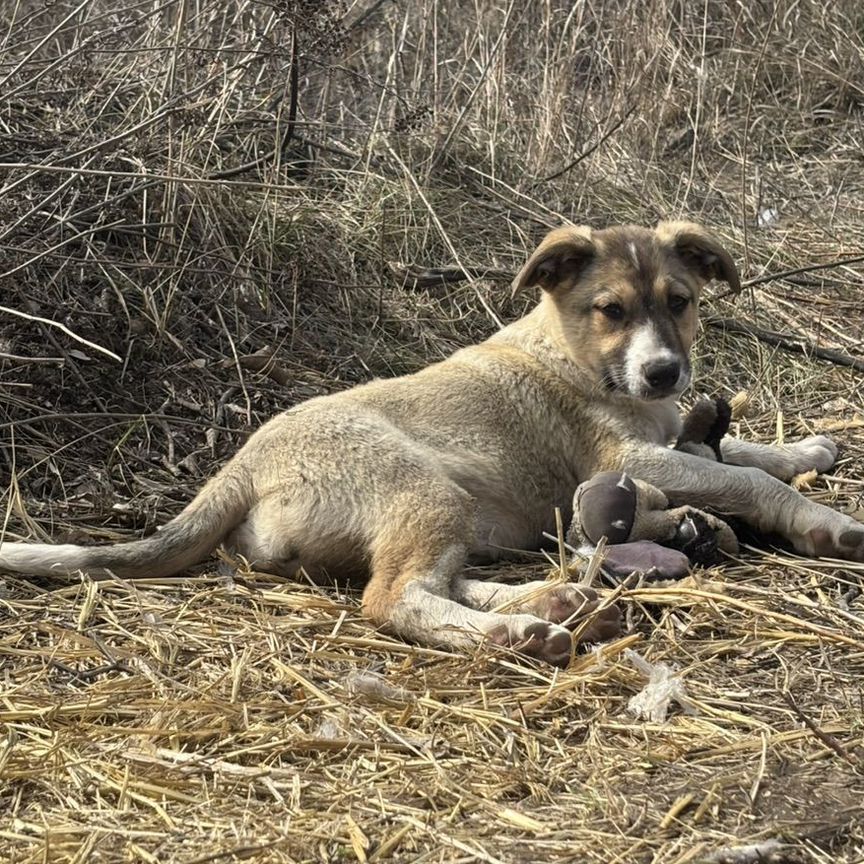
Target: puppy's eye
678,303
613,311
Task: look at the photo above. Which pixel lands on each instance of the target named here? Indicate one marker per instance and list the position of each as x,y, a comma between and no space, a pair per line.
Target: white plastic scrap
664,686
376,687
330,728
757,853
767,218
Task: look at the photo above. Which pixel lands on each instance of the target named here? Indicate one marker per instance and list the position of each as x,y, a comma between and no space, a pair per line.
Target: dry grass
165,198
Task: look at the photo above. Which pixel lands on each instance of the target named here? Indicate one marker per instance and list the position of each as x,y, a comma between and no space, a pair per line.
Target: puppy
402,480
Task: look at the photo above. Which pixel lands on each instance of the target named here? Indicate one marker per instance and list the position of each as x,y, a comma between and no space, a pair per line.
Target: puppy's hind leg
559,602
417,557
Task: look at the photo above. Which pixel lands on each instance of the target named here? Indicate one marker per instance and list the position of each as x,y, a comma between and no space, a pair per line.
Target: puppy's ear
700,251
558,261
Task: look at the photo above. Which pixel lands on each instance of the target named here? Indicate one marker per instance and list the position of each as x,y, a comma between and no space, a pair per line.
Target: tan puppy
403,479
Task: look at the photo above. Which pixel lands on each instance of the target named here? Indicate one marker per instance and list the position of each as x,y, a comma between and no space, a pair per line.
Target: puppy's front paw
817,453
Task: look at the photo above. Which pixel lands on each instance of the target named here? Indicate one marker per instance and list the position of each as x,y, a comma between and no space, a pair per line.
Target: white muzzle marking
645,347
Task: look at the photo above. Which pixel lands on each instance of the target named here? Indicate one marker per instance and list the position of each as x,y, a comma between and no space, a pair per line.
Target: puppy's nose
661,374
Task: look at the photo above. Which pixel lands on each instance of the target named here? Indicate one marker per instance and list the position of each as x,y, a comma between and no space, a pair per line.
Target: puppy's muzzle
654,367
661,376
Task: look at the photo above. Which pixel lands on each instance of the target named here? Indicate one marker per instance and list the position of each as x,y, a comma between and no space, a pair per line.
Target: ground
236,200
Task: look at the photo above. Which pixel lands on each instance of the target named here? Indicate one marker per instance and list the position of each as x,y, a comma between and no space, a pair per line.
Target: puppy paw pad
606,625
852,538
564,603
547,642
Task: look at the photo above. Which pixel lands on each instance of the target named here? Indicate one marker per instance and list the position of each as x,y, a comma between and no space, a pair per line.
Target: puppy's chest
653,422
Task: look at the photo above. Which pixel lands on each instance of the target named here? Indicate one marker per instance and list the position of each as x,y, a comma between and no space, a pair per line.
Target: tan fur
400,480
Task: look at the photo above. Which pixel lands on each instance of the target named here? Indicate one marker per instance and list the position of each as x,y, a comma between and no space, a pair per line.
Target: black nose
661,374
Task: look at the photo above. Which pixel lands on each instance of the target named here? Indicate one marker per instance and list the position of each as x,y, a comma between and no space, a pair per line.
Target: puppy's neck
540,334
658,421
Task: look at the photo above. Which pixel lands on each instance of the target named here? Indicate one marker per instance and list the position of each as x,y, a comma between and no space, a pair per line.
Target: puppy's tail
187,539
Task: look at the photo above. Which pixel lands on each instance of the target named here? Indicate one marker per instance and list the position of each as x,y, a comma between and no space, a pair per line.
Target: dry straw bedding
166,196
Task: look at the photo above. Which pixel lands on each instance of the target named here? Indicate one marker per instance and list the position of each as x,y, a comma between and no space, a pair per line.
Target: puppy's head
627,300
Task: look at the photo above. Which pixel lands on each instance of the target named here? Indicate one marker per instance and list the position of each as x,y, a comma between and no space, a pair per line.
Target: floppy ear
558,260
700,251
